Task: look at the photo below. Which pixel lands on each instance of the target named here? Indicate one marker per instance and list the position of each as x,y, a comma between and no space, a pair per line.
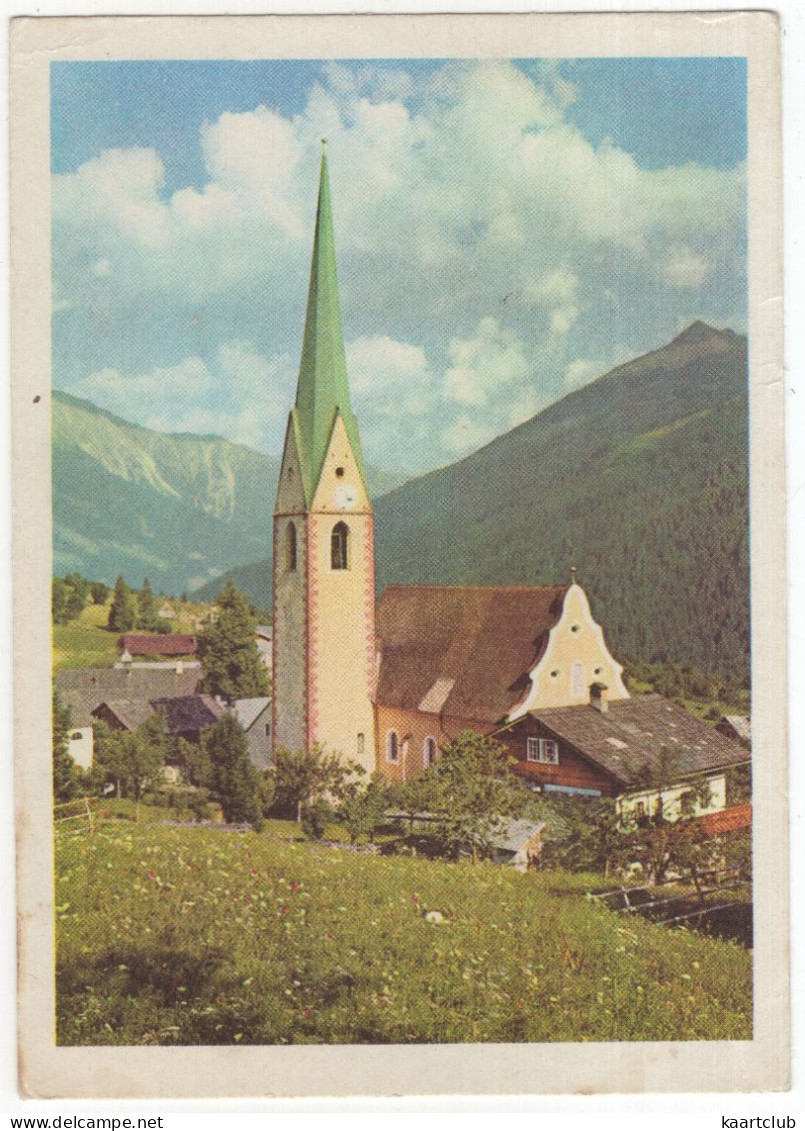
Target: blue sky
506,232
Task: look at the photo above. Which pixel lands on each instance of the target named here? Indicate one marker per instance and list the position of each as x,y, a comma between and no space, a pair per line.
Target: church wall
415,726
341,639
290,635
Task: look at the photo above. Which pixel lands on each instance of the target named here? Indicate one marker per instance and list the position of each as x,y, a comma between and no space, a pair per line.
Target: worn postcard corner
398,541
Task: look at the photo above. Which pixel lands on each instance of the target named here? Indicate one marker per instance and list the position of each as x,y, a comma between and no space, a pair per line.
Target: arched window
339,546
428,751
577,678
290,547
392,746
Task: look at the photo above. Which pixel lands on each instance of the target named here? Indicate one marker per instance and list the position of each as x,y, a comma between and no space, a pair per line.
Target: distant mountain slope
175,508
639,479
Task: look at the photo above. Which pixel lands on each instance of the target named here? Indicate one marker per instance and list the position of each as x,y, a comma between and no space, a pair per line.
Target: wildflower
415,898
294,886
152,875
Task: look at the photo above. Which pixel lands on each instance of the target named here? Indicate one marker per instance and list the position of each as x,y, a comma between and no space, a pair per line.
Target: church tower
323,571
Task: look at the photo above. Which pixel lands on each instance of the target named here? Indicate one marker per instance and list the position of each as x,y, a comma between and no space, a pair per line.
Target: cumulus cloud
482,239
685,269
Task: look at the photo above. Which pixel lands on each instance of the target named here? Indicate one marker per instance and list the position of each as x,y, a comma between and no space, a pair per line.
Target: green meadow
183,936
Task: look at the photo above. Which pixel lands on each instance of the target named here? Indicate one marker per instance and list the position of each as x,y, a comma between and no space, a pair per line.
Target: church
387,684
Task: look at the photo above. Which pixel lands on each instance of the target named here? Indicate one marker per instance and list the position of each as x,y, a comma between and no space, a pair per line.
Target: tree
65,773
228,651
146,608
99,592
58,601
123,613
363,806
305,779
133,760
476,790
233,778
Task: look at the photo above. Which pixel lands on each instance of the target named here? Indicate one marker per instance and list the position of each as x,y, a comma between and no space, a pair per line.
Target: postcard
400,659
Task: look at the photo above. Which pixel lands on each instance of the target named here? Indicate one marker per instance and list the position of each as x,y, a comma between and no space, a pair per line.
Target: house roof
740,725
248,711
130,713
463,651
166,644
84,689
186,714
628,740
510,836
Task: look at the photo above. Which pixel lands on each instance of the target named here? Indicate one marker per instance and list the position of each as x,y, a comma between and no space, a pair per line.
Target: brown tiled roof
166,644
84,689
187,714
725,820
628,739
463,651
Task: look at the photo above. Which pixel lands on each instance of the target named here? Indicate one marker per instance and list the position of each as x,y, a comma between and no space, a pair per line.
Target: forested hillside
639,479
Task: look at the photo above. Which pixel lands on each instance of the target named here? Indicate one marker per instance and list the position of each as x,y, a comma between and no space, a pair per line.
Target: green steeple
322,391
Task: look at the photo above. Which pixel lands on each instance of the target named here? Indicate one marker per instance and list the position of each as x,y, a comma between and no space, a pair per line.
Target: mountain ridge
639,478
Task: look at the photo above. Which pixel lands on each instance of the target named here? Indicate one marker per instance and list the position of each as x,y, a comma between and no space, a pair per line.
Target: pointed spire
322,391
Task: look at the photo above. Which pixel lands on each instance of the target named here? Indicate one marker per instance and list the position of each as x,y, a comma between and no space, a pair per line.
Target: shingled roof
463,651
628,739
84,689
163,644
187,714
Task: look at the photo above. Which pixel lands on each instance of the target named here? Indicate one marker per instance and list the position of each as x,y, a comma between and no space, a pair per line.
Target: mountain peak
697,332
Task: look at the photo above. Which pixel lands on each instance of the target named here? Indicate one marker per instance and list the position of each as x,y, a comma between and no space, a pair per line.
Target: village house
263,634
387,685
83,690
254,715
166,645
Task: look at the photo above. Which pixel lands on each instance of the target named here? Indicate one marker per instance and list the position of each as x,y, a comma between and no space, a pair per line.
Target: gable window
290,547
268,730
543,750
339,546
577,678
428,751
392,746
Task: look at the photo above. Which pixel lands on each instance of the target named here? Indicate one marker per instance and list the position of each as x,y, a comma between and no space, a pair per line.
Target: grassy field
201,936
86,642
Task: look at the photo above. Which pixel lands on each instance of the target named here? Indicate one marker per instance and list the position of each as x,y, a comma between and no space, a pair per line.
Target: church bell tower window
339,546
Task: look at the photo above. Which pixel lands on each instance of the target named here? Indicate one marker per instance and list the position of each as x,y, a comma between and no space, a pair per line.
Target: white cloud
685,269
452,194
581,371
484,366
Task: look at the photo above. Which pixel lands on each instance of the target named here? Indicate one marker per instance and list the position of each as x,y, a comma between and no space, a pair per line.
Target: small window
543,750
575,628
598,671
361,745
339,473
428,752
554,673
577,678
392,746
339,546
290,547
268,730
